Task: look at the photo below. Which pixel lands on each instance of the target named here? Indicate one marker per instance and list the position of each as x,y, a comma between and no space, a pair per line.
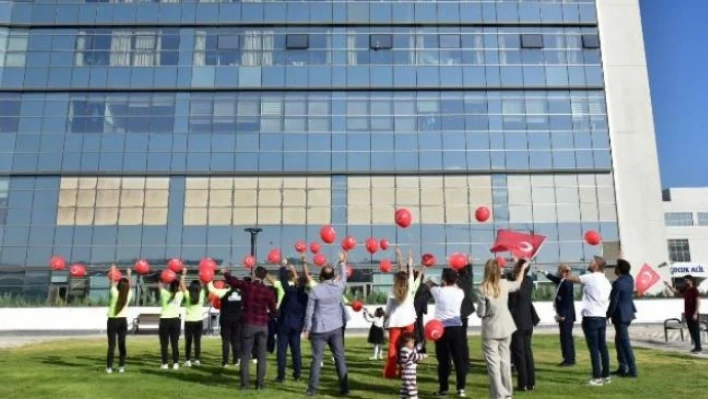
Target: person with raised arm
498,325
258,306
323,325
194,297
596,301
523,311
622,311
291,319
170,321
230,325
564,305
117,325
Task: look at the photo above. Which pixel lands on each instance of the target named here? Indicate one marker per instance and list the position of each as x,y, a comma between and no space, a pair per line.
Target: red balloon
457,261
384,244
320,260
501,261
142,267
207,263
206,275
57,263
249,262
403,218
274,256
216,303
428,260
348,243
167,276
372,245
175,265
482,214
349,271
77,270
592,237
219,284
315,247
357,306
434,330
115,275
385,266
301,246
327,234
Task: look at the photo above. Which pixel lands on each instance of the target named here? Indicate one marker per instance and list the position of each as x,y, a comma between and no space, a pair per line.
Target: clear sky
675,37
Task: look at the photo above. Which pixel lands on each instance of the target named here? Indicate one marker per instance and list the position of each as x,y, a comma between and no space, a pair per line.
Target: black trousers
420,331
272,331
447,348
169,334
694,329
117,329
230,338
193,334
288,336
567,342
522,357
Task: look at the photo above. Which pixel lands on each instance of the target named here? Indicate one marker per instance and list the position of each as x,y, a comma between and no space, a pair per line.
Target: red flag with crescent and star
646,278
522,245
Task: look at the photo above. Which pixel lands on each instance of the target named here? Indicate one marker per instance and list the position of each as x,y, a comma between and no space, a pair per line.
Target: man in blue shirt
621,311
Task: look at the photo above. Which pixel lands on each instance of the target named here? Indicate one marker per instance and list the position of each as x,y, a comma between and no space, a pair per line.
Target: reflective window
4,185
702,218
13,47
127,47
121,113
678,218
679,250
298,42
532,41
9,112
591,41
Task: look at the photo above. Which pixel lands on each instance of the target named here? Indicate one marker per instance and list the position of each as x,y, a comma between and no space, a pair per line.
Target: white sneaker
197,363
606,380
255,361
321,364
121,370
226,366
175,366
461,393
238,363
596,382
109,370
164,367
187,364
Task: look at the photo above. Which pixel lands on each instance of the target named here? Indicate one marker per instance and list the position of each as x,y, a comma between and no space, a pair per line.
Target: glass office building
163,128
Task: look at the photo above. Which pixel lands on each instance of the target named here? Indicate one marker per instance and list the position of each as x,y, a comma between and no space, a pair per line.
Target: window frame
531,41
590,41
296,37
677,219
681,247
375,41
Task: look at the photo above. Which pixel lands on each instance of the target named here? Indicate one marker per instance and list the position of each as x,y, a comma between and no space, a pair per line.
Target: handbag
534,316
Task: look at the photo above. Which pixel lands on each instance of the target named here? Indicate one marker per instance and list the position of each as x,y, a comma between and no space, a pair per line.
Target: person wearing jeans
323,325
691,309
450,348
596,301
621,311
170,322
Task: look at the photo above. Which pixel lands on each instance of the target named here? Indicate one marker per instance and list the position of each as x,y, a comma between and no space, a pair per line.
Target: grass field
75,369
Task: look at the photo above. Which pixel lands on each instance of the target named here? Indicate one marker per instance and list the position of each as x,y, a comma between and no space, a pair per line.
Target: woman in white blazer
497,327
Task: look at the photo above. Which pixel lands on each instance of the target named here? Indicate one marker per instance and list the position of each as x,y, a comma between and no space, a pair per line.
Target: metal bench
146,321
680,324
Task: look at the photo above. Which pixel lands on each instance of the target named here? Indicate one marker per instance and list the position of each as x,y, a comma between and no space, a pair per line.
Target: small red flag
523,245
646,278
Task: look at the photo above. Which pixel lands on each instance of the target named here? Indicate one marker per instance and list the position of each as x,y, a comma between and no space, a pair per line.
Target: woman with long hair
117,325
497,326
522,311
400,312
170,322
193,321
229,323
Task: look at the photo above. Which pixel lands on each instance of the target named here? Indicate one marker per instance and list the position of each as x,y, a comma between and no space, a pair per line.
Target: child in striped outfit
408,358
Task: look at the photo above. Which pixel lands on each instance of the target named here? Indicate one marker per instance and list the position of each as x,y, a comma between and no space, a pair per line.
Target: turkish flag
646,278
522,245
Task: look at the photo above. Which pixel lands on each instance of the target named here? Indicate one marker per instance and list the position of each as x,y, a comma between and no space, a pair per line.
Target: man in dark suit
420,303
621,311
565,313
465,281
522,311
291,319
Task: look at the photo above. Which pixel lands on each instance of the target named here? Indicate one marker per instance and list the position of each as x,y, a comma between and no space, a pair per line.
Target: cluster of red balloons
207,270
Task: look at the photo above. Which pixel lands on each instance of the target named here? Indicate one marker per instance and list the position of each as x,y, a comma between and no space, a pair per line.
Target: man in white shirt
450,347
596,300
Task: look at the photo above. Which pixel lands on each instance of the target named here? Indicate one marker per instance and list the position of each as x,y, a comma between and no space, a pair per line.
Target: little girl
376,332
408,358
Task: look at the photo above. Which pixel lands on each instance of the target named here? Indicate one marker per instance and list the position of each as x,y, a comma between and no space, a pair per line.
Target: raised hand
342,256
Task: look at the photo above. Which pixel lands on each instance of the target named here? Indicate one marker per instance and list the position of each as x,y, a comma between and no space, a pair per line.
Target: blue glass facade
158,129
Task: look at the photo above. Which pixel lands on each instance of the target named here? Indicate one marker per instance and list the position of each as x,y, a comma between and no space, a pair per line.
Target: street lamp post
253,231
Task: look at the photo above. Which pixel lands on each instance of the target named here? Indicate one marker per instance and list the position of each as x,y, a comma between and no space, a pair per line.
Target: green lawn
75,369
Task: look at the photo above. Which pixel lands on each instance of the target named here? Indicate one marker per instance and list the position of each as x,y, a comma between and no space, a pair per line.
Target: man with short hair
564,305
691,309
324,320
621,311
596,300
258,306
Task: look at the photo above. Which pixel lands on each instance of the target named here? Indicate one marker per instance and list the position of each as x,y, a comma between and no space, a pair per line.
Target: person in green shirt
170,322
117,325
193,321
